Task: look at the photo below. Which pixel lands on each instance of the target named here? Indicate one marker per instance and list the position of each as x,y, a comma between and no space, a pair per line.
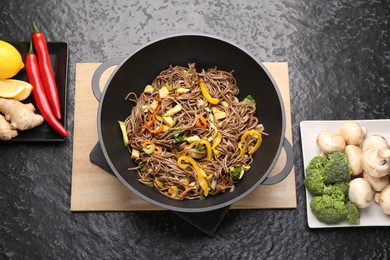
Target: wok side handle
287,167
98,74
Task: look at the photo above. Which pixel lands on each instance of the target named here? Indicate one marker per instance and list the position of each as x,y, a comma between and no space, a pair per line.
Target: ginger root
6,133
21,116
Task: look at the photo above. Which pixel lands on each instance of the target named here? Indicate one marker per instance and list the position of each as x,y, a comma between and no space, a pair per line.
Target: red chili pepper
38,91
46,70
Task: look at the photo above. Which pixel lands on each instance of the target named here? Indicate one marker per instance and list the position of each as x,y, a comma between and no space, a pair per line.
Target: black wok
140,68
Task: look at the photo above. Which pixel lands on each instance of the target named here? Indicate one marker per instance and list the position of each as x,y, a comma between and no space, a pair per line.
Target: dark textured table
338,54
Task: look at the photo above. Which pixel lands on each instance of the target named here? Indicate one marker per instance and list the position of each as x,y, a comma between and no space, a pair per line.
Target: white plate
371,216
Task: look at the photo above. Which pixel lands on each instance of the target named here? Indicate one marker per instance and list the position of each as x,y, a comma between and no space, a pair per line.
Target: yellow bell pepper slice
181,164
201,180
206,94
242,144
159,183
217,138
242,147
208,147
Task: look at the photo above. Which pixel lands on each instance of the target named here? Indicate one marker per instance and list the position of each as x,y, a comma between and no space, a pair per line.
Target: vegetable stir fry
190,134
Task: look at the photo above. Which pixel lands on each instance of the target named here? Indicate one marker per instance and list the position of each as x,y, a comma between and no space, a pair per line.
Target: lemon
10,60
12,88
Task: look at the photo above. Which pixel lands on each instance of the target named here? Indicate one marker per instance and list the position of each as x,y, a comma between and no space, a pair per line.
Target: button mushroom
375,142
329,142
352,132
384,200
376,162
354,155
377,183
360,193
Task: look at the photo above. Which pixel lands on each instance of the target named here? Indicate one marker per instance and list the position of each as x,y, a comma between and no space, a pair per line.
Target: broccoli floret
249,99
327,171
327,179
337,190
317,162
314,180
328,209
336,168
235,172
353,213
331,210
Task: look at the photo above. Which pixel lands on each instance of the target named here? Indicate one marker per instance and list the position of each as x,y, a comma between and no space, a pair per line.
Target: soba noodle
204,144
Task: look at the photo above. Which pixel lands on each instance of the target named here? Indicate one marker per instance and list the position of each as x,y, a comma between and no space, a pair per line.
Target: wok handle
287,167
98,74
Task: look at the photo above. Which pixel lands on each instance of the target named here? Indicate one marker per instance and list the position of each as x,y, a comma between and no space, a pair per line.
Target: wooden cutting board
93,189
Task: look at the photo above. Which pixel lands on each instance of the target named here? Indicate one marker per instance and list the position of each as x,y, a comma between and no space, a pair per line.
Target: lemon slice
10,60
26,92
12,88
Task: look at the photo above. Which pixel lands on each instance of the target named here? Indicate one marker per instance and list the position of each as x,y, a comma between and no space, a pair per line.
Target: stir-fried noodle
190,135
